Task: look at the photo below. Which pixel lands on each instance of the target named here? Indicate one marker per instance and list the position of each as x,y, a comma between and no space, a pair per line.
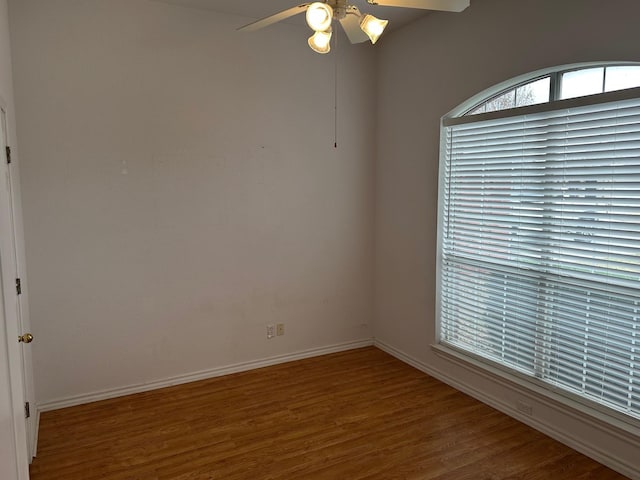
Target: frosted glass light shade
319,16
373,27
320,42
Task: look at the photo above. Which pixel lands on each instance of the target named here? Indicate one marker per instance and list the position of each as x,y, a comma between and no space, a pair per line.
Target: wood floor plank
357,415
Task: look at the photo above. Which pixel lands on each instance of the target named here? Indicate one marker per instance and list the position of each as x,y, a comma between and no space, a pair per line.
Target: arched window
561,85
539,233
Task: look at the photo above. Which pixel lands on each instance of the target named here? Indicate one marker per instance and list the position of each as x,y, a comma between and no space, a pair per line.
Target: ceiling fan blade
443,5
351,25
270,20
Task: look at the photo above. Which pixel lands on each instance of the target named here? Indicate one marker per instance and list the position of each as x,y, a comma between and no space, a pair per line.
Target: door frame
10,314
23,320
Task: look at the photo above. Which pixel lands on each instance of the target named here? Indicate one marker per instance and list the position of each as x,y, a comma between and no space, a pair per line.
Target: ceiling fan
358,27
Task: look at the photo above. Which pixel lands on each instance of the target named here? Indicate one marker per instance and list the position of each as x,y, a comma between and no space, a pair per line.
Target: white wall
232,214
181,190
425,70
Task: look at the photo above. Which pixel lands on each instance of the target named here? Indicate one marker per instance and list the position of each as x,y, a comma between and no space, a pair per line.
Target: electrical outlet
524,408
280,329
271,331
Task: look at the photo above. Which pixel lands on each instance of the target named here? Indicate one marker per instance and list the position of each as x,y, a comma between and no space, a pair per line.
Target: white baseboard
606,458
34,445
201,375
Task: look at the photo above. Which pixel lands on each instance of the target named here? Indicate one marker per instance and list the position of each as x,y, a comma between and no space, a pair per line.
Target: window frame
555,75
460,116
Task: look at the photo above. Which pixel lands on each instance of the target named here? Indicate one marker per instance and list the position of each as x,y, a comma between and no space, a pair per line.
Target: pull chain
335,96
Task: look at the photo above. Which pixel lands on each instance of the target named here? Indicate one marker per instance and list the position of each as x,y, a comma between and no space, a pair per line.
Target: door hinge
8,152
18,286
27,410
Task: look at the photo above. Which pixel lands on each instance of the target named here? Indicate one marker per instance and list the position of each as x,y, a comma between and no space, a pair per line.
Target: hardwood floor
354,415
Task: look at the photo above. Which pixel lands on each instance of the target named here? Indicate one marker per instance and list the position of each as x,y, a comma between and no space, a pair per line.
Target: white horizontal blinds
541,246
594,344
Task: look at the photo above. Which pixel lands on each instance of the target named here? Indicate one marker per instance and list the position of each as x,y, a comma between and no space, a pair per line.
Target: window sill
597,417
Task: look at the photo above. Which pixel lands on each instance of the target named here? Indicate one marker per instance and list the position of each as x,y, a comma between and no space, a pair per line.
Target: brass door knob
26,338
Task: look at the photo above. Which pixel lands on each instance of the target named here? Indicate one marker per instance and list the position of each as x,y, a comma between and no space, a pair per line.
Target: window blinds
540,250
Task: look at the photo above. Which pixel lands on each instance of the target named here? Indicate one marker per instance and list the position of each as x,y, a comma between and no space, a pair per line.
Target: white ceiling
256,9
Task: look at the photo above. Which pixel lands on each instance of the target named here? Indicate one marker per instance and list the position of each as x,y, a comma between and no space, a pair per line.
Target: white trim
587,412
201,375
555,105
34,447
609,459
9,315
524,78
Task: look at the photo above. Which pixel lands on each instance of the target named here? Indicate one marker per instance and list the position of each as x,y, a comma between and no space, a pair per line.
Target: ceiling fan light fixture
320,42
373,27
319,16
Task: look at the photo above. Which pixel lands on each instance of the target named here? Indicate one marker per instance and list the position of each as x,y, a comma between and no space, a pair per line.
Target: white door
13,464
14,452
22,320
